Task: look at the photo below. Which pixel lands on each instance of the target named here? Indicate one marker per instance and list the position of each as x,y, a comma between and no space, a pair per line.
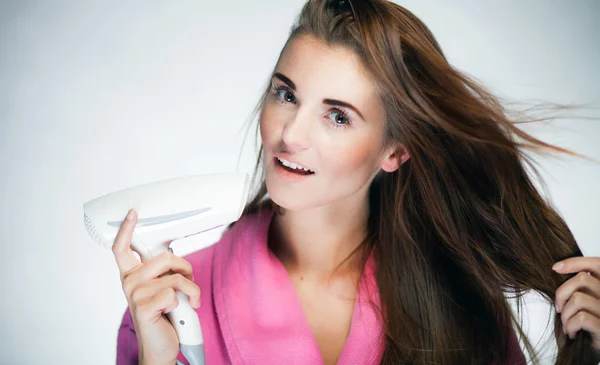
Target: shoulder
202,260
237,240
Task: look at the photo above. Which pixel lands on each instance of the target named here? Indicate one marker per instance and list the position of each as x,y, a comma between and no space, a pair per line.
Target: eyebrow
331,102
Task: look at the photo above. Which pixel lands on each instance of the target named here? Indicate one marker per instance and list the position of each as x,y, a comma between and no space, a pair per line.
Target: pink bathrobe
250,312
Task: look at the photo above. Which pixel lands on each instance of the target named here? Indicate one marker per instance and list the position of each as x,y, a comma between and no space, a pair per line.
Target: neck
313,243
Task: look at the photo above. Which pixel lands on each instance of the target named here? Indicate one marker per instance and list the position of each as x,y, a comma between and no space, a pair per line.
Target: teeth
293,165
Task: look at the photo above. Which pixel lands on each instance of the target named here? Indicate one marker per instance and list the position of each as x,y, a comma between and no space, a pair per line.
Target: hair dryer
169,210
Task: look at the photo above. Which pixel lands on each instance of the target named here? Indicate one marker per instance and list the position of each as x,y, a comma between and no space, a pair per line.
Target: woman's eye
286,96
339,118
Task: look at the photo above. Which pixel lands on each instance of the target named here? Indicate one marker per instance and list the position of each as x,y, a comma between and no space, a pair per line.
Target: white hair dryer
169,210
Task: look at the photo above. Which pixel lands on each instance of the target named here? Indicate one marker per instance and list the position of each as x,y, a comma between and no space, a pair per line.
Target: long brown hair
459,226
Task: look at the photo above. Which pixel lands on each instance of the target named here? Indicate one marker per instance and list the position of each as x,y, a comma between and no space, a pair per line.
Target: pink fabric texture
250,313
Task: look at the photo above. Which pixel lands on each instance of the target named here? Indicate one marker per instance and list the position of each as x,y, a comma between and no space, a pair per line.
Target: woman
399,215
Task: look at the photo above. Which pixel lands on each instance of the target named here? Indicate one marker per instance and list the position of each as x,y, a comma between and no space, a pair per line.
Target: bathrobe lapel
260,315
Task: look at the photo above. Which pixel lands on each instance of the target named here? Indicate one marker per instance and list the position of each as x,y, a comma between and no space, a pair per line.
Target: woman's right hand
150,290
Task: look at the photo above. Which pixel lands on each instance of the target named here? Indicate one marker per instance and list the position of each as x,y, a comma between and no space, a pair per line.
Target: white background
99,96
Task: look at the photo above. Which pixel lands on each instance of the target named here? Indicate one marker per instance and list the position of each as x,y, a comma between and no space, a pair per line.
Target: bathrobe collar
260,314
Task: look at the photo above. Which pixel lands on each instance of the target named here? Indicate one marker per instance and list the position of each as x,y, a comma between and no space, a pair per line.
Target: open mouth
298,171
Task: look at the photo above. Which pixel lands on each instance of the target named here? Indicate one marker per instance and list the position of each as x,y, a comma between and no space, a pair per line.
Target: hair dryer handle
187,325
186,322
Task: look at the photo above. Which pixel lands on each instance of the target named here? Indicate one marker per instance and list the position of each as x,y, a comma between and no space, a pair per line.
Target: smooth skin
578,299
150,291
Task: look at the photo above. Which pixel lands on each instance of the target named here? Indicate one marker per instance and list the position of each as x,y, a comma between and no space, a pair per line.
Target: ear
395,158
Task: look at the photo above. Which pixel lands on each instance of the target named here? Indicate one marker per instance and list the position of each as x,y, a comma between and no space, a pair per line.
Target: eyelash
278,88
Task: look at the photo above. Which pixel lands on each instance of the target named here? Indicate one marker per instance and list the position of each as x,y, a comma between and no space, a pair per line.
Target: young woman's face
324,113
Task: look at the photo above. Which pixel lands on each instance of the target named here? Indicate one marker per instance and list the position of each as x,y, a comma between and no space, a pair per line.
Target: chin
285,200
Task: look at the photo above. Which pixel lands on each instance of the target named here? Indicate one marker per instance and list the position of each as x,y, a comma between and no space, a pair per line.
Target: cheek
269,125
357,156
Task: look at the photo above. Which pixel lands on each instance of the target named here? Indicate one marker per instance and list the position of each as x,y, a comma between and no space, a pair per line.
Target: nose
297,131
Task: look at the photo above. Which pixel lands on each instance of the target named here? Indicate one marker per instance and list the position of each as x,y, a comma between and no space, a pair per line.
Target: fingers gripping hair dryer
169,210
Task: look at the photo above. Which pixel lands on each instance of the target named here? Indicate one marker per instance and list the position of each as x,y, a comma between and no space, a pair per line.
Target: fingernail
130,214
558,266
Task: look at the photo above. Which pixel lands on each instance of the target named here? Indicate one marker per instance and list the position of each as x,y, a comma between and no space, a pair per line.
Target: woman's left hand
578,299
